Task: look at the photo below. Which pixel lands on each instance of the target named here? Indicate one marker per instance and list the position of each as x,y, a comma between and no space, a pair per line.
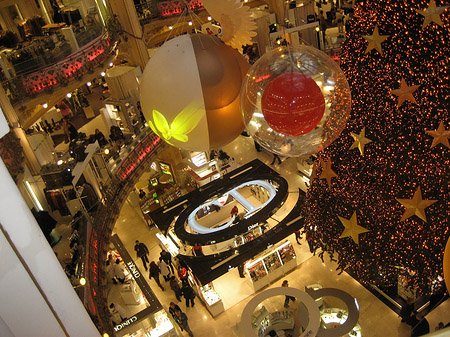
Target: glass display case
155,325
286,252
271,265
209,294
272,262
257,271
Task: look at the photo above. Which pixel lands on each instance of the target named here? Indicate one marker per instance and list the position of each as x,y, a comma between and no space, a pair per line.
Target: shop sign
129,321
249,228
133,269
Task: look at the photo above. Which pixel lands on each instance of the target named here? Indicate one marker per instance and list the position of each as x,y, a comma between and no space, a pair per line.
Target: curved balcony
29,91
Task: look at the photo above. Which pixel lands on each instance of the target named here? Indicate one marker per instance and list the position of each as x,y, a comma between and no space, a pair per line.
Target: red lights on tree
400,157
293,104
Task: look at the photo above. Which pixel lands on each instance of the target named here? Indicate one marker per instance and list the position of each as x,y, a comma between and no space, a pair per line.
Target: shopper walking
142,252
167,259
182,320
188,294
172,308
165,271
287,298
275,158
154,273
175,286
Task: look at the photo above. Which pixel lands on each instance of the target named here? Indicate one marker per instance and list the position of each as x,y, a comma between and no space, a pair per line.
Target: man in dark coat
142,252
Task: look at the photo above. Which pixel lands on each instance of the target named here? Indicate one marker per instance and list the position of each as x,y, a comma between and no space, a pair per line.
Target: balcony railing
65,67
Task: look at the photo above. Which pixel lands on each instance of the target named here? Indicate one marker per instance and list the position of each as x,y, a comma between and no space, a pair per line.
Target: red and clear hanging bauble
295,101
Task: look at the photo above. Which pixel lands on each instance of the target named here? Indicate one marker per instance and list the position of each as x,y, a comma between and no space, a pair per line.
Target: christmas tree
379,196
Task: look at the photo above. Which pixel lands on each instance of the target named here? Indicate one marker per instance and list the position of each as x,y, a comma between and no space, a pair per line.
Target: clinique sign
125,323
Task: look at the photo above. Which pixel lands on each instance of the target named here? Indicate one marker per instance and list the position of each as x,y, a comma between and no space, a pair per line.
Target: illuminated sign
133,269
120,326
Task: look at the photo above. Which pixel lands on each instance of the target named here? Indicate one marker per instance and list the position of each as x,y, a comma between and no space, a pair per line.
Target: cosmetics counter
271,265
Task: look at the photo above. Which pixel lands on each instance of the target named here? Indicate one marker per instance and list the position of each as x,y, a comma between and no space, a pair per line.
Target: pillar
13,120
126,13
39,299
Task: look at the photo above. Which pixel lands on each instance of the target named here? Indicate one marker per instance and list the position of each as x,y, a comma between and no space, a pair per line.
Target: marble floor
376,319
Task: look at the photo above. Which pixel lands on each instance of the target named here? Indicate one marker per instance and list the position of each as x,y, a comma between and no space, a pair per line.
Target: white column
36,295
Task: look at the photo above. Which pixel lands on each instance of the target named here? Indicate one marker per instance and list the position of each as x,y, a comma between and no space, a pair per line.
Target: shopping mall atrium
285,165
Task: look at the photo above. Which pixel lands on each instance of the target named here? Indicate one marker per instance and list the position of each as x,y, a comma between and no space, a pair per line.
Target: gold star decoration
327,173
352,228
440,135
415,206
405,93
360,141
375,40
432,14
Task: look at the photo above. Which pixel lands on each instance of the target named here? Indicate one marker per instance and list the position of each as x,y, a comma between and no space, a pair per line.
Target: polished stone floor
376,319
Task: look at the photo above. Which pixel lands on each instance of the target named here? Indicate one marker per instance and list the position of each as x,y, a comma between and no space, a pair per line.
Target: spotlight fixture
88,84
69,95
103,73
209,18
190,23
45,105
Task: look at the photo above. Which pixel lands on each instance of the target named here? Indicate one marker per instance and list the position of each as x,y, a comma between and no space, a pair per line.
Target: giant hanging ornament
190,92
295,101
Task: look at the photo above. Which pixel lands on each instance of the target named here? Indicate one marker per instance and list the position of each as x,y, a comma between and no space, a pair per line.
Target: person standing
165,271
340,21
188,294
287,298
275,158
420,326
182,273
110,272
167,259
234,211
119,272
406,312
298,236
154,273
142,252
182,320
197,251
118,313
175,286
323,26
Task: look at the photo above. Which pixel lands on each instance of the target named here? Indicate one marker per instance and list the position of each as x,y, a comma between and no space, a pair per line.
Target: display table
130,293
212,300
